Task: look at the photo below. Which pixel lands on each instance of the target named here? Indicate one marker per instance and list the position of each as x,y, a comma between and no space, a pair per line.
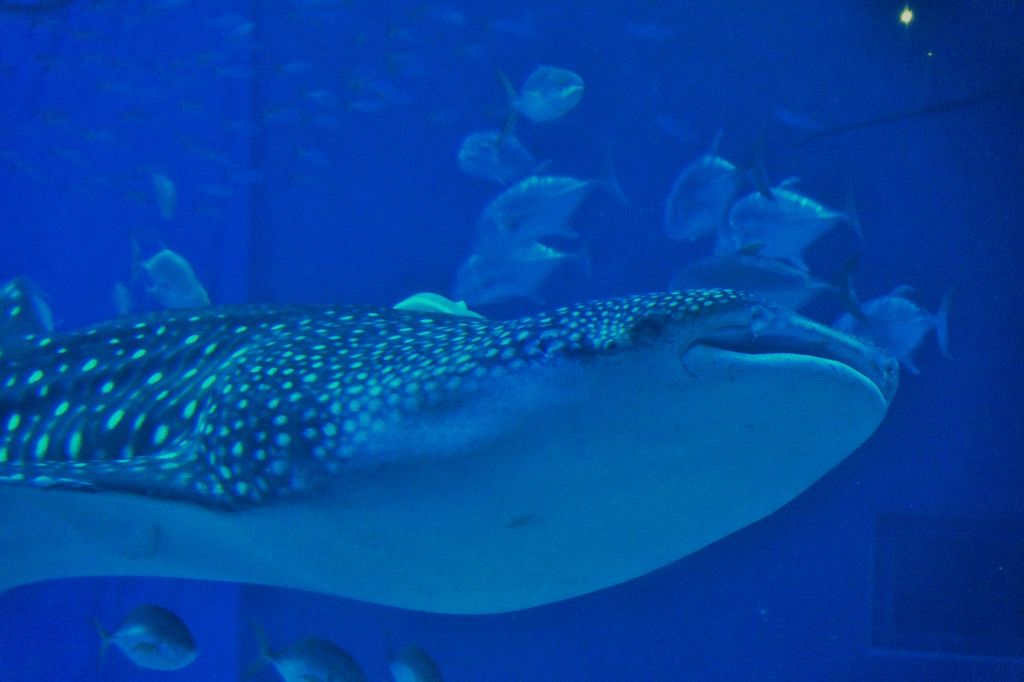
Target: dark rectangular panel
949,586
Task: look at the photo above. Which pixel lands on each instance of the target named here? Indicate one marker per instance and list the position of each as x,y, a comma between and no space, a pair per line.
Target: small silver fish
311,659
426,302
495,156
698,202
152,637
547,94
518,274
772,280
173,282
779,225
898,325
413,664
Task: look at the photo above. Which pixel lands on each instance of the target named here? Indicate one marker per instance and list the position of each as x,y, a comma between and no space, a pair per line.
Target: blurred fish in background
535,208
309,659
23,310
495,156
698,202
899,325
780,224
515,273
152,637
548,93
172,282
511,257
413,664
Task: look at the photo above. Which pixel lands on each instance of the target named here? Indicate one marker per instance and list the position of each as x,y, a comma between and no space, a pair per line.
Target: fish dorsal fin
758,176
853,217
942,323
610,182
511,96
266,655
715,144
903,291
843,286
105,639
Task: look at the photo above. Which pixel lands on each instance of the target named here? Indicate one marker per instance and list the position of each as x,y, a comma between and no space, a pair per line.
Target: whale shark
421,460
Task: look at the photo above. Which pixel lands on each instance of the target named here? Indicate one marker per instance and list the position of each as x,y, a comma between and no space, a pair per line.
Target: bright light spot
906,16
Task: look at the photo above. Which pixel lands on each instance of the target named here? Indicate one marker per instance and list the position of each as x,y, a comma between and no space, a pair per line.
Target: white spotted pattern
238,406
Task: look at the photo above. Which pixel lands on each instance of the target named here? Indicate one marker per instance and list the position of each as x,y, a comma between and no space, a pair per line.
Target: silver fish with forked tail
427,461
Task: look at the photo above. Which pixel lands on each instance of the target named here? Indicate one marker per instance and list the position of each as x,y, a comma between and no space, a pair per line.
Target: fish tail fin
510,101
541,167
843,285
903,291
753,169
758,176
136,265
582,259
797,261
942,323
908,363
852,218
105,644
121,297
713,147
610,182
265,654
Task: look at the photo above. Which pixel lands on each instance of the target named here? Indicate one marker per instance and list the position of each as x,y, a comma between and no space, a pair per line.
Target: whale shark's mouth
777,331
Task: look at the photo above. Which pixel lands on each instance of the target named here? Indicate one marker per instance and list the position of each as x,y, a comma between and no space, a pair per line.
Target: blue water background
368,207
